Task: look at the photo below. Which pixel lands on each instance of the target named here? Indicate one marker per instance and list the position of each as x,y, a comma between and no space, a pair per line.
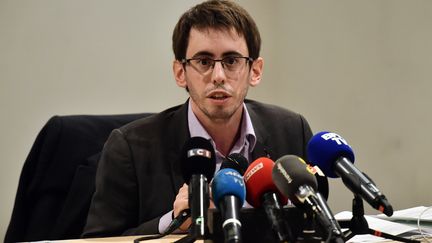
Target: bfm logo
199,152
335,137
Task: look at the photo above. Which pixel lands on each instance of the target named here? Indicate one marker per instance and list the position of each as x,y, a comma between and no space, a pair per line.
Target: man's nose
218,73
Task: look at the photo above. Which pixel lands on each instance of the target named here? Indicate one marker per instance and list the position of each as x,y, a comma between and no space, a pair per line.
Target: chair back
58,177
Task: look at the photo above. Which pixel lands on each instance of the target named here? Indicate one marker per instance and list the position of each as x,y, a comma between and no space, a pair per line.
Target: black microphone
237,162
198,166
332,154
294,179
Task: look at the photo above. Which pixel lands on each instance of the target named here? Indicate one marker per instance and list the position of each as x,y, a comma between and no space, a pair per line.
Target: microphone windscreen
290,172
197,158
237,162
228,182
324,148
258,179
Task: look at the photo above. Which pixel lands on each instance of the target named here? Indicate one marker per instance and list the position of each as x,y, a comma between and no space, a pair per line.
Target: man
139,185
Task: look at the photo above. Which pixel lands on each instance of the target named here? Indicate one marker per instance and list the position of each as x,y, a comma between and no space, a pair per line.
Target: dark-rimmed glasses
231,64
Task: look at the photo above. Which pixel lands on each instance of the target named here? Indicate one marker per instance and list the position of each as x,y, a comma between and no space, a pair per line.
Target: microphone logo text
284,173
236,177
335,137
199,152
253,171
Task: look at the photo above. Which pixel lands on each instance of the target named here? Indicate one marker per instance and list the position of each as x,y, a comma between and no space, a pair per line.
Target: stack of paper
395,225
411,216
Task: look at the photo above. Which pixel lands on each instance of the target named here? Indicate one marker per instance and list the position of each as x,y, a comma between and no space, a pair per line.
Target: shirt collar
247,132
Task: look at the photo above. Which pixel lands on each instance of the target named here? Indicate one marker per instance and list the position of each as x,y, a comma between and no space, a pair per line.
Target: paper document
380,225
410,215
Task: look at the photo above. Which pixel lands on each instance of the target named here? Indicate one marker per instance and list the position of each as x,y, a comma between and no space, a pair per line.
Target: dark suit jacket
139,172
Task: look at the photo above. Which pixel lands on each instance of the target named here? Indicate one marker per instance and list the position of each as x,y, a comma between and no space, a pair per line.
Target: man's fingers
181,201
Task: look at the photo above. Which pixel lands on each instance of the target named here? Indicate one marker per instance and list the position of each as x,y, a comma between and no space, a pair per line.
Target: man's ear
179,74
256,71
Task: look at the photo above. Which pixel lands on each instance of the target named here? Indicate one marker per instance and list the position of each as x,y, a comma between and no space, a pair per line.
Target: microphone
330,152
295,179
229,193
198,165
261,191
235,161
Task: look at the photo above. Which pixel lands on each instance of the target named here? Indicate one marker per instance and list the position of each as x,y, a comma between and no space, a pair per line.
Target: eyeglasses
231,64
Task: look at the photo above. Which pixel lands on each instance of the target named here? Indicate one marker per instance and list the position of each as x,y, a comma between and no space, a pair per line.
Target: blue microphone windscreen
228,182
325,148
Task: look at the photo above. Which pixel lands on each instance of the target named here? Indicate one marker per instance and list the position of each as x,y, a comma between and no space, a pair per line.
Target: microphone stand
199,205
309,235
358,224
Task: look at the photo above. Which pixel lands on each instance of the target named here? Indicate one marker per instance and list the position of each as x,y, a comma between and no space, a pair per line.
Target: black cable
177,221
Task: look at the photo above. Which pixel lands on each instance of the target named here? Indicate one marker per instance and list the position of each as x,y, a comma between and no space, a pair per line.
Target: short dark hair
218,14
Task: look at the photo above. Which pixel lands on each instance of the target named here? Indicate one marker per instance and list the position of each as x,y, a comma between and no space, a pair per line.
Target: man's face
217,94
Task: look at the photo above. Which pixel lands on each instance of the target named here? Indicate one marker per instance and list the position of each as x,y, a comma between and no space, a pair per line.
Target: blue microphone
332,154
229,193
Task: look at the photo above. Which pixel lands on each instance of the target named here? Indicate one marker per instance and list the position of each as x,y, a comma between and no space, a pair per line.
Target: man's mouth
218,96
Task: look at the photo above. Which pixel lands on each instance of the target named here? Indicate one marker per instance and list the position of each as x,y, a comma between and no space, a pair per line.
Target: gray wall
359,68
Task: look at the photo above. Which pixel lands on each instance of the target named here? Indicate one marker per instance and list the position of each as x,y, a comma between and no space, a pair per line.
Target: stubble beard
222,114
219,114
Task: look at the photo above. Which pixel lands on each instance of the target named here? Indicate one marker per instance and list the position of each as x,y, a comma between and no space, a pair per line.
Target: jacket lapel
262,148
178,134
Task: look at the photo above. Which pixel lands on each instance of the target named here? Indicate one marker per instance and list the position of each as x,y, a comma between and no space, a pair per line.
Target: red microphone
259,180
262,192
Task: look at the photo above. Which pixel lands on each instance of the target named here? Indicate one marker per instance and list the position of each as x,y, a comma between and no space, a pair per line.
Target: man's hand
181,203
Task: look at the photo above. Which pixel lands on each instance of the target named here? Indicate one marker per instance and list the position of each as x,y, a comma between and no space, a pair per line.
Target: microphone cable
175,223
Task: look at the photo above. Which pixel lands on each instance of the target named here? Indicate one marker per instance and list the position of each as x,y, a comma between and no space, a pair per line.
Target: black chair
57,179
